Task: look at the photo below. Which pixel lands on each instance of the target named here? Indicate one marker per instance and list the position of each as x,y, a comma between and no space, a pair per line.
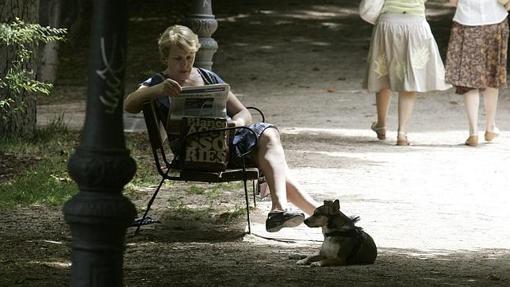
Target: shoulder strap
160,76
207,76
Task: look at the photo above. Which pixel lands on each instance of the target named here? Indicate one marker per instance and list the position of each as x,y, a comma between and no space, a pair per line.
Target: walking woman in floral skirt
476,60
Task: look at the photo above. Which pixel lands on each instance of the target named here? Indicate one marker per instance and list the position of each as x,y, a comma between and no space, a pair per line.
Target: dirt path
438,210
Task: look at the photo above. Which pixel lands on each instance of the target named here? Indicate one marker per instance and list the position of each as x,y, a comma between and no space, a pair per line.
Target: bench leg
247,205
149,206
255,184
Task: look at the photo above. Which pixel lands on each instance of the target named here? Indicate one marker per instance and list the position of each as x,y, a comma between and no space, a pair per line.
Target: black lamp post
202,21
99,214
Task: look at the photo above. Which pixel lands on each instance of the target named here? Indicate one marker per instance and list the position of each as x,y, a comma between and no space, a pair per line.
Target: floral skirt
477,56
404,56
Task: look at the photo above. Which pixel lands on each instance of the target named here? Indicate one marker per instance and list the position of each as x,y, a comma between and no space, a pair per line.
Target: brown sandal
402,139
472,141
489,136
380,131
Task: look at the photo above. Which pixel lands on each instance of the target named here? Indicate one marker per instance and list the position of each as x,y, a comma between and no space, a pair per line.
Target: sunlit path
437,194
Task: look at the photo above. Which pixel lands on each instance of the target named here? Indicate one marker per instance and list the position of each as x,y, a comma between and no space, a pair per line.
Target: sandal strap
374,128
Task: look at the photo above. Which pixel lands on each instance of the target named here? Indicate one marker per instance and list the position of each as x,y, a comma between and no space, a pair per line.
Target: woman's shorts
477,55
242,141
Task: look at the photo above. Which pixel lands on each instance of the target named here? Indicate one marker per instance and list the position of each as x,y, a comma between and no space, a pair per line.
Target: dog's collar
354,232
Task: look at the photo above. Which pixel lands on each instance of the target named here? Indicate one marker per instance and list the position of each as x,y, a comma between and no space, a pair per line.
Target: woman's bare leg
382,102
406,102
471,104
271,161
300,199
490,97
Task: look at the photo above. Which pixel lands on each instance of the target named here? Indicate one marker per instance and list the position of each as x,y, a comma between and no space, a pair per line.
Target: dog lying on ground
344,243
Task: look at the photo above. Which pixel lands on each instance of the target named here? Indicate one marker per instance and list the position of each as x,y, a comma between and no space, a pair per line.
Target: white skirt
403,56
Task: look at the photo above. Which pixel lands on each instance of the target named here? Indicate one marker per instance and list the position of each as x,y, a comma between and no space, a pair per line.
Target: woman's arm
133,103
237,111
453,3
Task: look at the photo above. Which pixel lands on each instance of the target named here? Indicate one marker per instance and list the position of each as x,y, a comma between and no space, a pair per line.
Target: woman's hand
168,88
232,123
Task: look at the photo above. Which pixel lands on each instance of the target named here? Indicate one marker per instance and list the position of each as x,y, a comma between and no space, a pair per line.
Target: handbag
369,10
505,3
453,3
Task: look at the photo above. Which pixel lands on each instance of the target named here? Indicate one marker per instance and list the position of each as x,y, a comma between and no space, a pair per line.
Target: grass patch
233,215
43,184
203,201
194,189
146,174
34,170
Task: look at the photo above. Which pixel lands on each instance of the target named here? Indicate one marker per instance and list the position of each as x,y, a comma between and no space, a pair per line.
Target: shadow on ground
302,62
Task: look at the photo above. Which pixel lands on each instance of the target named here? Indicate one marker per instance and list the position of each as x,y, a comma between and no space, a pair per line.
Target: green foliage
22,38
26,34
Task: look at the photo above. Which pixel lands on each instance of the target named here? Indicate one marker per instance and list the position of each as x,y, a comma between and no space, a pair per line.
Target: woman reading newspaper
178,46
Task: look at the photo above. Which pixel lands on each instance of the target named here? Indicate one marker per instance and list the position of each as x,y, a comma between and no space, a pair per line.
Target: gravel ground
437,209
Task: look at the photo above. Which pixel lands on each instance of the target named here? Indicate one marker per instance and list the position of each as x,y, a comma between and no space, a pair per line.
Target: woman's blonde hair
177,36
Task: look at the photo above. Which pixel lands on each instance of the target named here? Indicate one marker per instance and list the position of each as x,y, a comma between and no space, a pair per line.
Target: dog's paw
316,264
302,262
296,256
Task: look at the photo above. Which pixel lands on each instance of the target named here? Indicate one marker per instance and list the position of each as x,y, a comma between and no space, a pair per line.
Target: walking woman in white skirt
403,58
477,58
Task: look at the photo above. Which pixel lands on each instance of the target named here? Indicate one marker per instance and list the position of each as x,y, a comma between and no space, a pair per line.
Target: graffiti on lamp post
99,214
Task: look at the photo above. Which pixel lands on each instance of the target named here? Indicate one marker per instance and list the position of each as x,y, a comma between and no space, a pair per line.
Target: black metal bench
169,170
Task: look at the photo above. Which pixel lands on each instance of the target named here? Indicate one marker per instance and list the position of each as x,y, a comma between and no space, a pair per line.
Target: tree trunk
50,12
21,119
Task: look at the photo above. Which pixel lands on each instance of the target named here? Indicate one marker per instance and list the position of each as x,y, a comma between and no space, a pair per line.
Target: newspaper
202,101
199,109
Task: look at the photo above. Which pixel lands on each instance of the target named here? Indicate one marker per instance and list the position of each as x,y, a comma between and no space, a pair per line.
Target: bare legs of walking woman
406,102
472,103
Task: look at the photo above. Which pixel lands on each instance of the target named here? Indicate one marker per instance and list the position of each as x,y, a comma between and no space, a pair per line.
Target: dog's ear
328,202
336,205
